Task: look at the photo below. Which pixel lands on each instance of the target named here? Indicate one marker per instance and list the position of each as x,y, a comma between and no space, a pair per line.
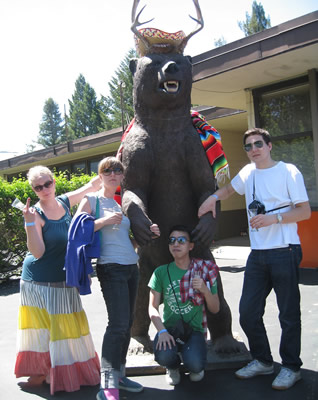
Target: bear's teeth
171,86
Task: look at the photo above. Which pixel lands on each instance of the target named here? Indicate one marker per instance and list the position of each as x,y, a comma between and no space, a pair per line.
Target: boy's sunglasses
46,185
248,147
116,171
180,240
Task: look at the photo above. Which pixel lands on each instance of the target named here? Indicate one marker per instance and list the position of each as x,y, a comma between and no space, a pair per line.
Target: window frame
283,85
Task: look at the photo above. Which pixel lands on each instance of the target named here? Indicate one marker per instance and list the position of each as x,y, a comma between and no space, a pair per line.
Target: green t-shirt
159,282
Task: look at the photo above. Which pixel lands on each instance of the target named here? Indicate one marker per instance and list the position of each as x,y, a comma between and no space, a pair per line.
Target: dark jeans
193,354
266,270
119,284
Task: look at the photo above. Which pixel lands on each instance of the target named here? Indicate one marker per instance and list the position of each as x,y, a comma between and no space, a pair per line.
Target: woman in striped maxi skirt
54,341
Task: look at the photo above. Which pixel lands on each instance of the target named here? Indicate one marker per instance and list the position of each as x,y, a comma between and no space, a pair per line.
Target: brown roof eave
297,33
77,145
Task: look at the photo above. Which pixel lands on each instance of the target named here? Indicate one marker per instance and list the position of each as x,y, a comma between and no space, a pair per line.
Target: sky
46,44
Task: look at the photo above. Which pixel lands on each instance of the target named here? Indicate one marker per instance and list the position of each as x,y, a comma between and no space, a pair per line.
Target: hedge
12,234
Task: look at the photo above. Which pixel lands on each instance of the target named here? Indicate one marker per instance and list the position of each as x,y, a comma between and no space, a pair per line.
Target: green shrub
12,234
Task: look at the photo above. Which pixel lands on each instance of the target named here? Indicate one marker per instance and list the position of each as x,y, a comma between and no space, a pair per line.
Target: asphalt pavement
219,381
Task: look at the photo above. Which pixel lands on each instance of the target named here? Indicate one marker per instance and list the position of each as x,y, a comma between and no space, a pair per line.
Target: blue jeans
266,270
119,284
193,354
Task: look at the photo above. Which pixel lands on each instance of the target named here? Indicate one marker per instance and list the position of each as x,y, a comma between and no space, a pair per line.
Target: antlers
198,20
181,46
136,23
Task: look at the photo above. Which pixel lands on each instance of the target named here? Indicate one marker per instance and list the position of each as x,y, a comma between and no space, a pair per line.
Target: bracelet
162,331
30,224
215,195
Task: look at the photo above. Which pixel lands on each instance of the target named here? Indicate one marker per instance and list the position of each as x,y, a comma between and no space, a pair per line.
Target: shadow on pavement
307,276
233,269
217,384
10,287
222,385
43,392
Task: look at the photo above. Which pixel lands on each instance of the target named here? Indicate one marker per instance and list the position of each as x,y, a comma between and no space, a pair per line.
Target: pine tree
219,42
255,23
118,106
106,109
51,128
85,111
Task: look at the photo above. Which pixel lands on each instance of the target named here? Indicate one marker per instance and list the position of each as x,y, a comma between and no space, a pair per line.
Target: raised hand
28,212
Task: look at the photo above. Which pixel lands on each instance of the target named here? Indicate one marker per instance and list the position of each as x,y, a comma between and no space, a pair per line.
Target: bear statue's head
163,75
162,81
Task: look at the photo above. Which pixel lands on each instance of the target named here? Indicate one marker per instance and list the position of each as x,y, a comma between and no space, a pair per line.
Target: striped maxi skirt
54,338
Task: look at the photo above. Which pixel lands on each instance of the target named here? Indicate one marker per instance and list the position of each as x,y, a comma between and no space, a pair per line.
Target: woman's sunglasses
46,185
180,240
116,171
248,147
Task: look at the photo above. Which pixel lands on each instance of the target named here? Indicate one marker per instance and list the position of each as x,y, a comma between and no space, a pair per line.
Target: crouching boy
186,286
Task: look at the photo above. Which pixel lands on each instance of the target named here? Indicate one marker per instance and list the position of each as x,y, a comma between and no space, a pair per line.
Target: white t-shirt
280,185
116,246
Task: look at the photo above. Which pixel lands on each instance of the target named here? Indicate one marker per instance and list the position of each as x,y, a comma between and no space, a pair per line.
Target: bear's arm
135,189
199,169
203,184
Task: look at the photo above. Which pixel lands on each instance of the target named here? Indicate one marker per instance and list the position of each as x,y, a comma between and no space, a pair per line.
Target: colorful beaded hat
159,41
153,40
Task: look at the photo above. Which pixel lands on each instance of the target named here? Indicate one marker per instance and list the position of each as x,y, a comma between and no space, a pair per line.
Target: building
271,75
269,80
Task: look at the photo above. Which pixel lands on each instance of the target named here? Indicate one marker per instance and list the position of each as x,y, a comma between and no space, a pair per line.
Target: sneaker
254,368
286,379
108,394
196,376
173,377
129,385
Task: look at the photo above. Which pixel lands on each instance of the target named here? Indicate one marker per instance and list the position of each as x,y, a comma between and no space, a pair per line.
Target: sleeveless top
49,268
116,247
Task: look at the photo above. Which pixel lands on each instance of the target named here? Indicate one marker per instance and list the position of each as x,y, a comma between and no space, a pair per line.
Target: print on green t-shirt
171,312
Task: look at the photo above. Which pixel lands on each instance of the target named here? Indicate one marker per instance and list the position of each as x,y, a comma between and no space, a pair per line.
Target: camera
258,206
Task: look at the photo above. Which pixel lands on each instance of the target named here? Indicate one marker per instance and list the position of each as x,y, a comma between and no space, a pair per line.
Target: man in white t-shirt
276,200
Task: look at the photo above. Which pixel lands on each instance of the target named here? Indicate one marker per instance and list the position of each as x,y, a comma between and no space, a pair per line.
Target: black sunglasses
248,147
180,240
116,171
46,185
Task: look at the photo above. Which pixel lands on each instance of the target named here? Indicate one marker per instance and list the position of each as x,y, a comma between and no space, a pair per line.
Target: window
79,168
93,166
284,110
63,168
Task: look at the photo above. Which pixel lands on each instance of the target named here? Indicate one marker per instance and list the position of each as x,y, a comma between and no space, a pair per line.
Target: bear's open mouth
170,86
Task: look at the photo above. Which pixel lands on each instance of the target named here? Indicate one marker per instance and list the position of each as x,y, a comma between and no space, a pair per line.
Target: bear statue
167,177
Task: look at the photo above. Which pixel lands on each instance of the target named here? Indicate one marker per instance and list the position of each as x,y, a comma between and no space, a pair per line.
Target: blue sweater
83,245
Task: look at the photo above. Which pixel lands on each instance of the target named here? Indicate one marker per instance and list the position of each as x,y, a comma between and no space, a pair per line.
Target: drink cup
252,213
18,204
115,226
